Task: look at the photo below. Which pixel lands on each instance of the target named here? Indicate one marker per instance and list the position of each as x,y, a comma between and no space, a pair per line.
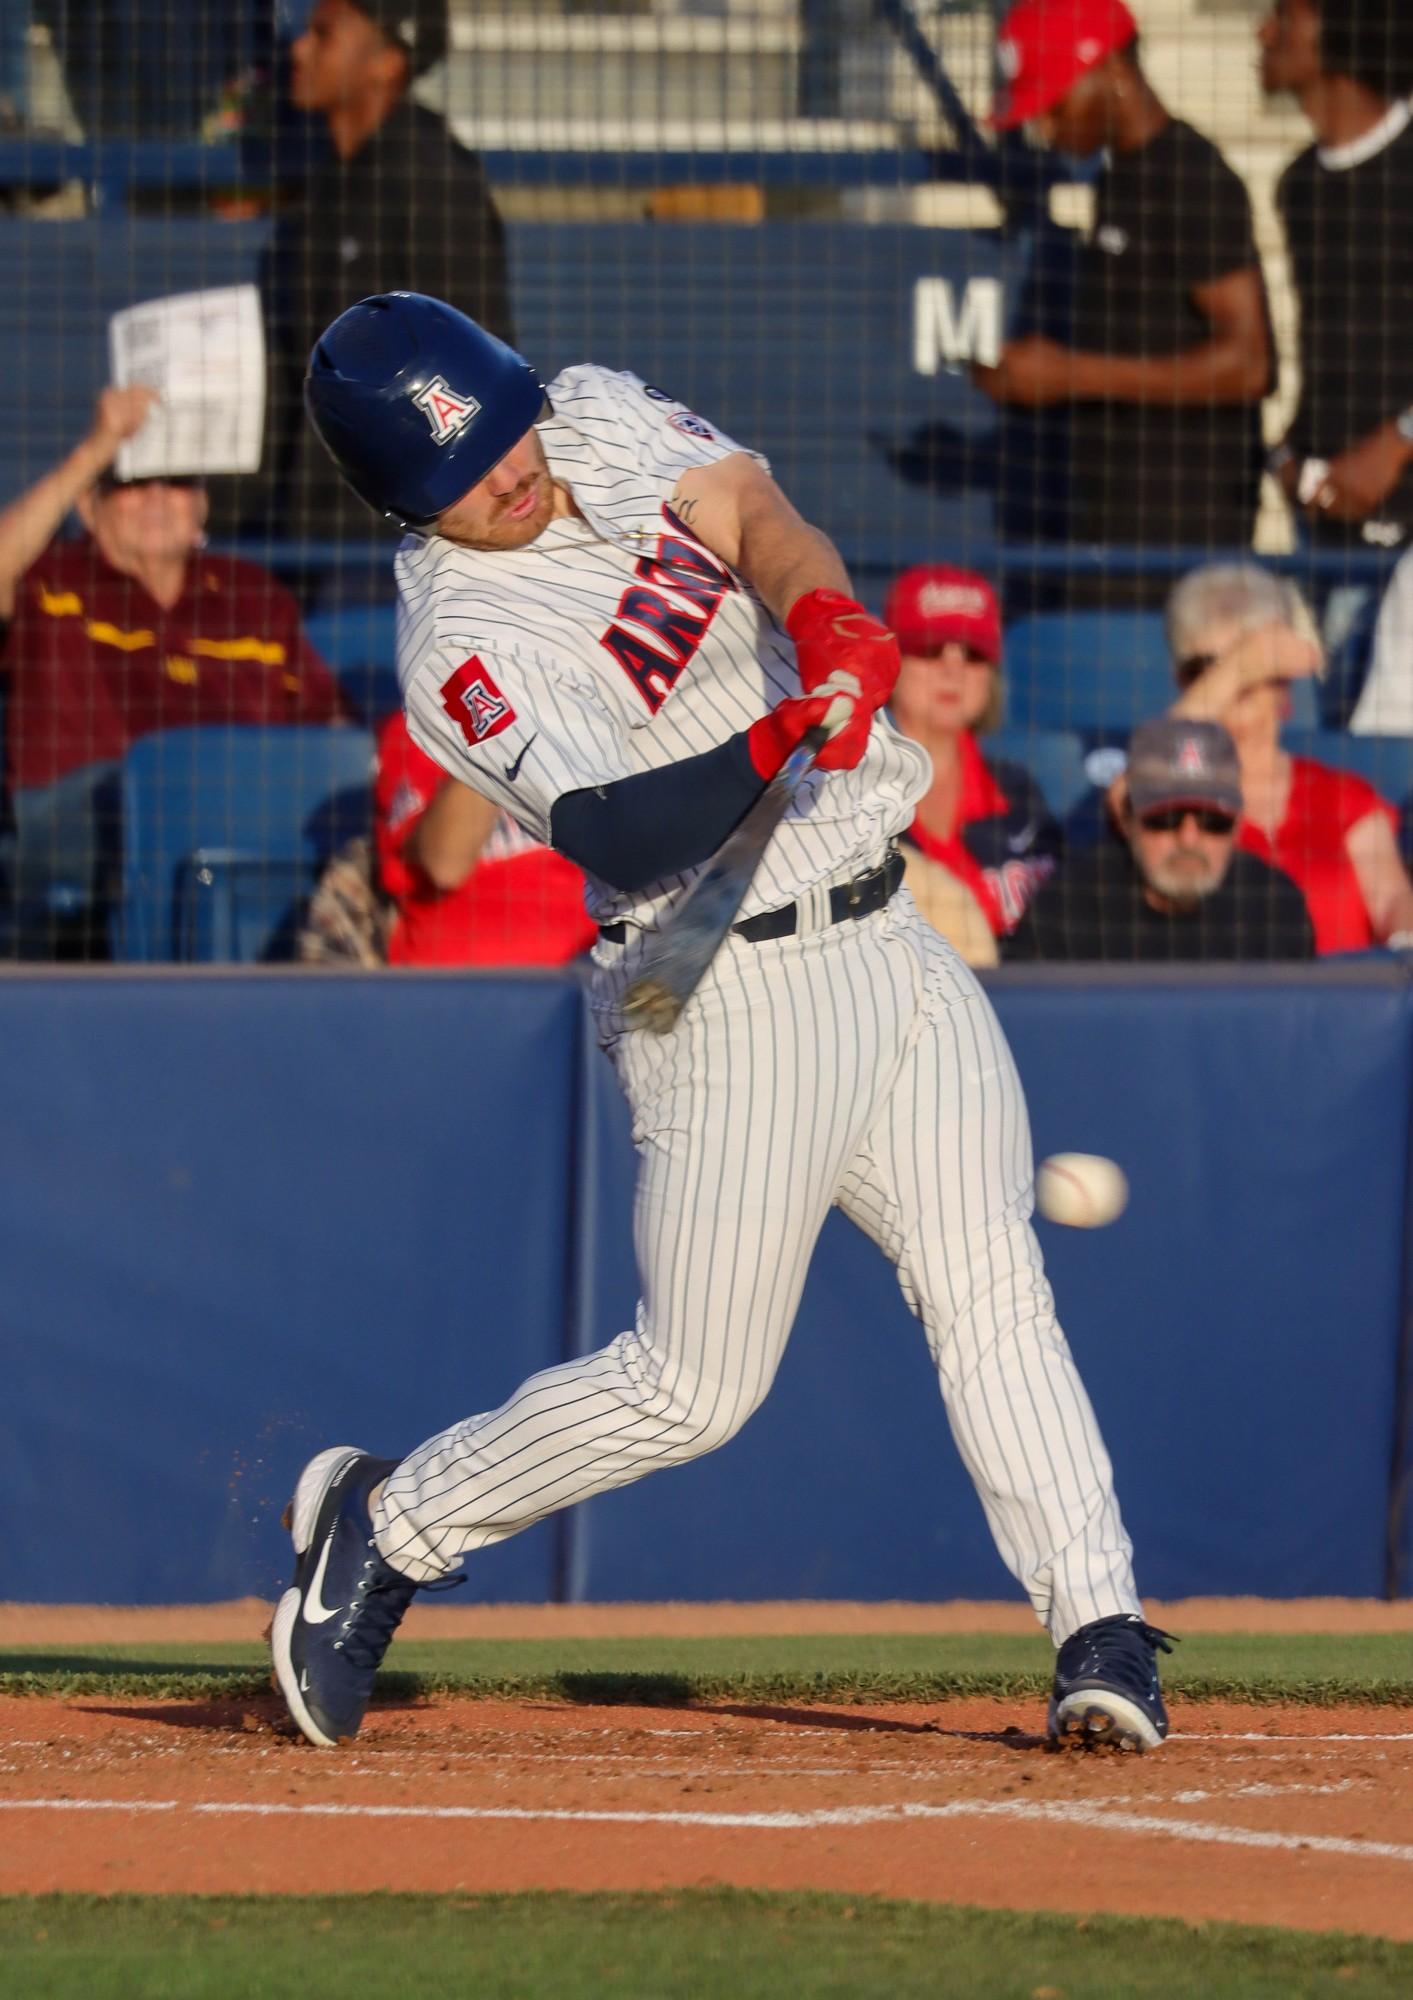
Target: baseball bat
677,956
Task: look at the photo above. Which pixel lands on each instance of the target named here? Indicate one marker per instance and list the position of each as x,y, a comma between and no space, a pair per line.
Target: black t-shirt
1094,908
1350,235
1169,218
410,211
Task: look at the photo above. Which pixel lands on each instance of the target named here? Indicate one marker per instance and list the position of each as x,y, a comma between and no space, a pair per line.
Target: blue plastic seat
1099,671
358,643
1053,757
237,909
1086,670
225,829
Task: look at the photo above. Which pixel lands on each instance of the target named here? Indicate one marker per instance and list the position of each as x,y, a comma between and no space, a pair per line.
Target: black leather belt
859,898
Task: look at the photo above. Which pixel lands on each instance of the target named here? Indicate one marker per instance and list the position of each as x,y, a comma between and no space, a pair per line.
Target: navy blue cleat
335,1622
1106,1685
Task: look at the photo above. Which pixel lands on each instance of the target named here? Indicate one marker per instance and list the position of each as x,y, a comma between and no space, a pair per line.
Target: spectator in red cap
983,839
1161,372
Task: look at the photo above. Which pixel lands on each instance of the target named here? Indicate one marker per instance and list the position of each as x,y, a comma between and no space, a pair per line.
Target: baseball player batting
612,623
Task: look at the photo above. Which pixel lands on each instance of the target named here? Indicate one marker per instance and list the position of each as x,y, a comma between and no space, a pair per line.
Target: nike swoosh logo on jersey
514,770
315,1609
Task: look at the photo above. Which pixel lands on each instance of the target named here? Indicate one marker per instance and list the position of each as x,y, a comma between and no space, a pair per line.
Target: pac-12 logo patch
446,411
475,704
695,427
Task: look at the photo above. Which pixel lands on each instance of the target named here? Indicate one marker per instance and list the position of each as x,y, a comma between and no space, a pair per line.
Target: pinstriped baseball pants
860,1066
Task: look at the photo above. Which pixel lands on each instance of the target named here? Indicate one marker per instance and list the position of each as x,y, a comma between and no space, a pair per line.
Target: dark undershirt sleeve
657,823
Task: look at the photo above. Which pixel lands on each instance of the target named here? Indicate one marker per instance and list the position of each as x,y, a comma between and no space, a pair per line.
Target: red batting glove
832,634
771,740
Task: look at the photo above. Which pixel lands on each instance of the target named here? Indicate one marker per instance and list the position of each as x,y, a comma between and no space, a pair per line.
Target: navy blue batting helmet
415,402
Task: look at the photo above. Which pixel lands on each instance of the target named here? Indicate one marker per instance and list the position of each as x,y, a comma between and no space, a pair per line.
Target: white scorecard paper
204,352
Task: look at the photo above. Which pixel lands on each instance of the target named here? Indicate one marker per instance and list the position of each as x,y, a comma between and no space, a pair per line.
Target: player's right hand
771,740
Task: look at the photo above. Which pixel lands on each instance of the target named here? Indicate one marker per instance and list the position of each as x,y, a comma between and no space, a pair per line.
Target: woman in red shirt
1238,638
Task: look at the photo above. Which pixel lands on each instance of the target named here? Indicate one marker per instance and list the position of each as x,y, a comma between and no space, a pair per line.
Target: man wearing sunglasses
1170,884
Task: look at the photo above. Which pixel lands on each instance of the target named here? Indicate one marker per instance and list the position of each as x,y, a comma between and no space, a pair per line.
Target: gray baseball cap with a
1174,762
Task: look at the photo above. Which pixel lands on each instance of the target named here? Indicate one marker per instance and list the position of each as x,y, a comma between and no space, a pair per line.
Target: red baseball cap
1047,45
935,603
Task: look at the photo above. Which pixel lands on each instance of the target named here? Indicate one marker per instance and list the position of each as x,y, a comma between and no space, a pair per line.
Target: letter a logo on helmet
415,403
446,412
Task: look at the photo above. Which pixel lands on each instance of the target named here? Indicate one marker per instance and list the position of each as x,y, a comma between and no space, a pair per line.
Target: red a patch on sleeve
475,704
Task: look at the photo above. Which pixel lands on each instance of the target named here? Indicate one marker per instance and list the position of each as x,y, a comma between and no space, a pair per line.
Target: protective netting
1156,324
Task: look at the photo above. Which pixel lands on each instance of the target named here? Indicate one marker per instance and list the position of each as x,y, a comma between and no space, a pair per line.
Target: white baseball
1081,1190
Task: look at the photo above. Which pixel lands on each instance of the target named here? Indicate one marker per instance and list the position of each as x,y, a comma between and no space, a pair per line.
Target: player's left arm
736,510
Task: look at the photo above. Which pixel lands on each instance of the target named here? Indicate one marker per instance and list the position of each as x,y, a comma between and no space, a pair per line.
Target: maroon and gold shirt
93,662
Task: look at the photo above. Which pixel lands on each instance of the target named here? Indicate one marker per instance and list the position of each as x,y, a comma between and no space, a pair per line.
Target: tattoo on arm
683,507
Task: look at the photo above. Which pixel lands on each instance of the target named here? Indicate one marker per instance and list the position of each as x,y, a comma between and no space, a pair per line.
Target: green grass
1322,1668
709,1945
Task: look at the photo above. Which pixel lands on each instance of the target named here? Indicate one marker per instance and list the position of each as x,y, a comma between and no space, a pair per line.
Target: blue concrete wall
246,1218
1238,1328
247,1215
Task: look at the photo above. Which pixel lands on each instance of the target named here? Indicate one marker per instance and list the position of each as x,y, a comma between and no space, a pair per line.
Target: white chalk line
1271,1791
1103,1819
1290,1742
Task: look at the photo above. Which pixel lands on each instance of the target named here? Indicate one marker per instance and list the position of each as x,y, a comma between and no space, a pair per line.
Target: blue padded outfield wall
246,1215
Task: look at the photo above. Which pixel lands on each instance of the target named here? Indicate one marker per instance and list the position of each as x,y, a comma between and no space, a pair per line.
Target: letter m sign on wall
947,332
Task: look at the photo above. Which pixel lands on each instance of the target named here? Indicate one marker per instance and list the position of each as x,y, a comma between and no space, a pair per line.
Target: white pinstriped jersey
616,643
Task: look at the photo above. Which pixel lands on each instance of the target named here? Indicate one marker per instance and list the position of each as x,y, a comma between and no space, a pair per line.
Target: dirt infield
1292,1816
1287,1815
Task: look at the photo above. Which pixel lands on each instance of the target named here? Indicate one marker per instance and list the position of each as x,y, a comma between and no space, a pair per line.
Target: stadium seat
1053,757
232,909
1098,672
357,642
224,831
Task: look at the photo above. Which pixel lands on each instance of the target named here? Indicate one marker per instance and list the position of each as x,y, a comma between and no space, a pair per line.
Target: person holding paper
126,629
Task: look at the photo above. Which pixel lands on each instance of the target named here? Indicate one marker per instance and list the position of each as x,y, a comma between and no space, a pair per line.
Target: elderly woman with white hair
1239,636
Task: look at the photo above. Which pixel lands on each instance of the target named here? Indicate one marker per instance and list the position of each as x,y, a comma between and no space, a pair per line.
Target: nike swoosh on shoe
315,1611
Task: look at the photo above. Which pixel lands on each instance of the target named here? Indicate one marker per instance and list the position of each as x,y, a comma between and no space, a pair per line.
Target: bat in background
677,956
